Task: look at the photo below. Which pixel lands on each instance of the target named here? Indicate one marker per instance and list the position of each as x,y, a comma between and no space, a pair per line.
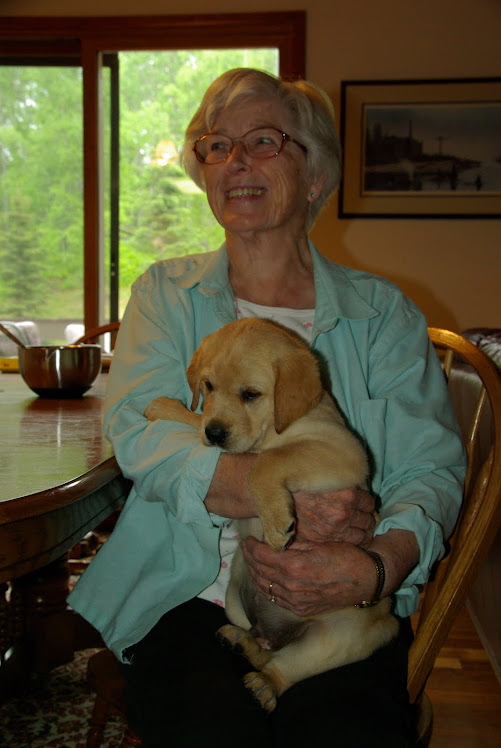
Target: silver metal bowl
60,370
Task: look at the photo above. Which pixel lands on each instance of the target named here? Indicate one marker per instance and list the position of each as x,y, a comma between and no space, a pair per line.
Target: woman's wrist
380,580
228,495
399,554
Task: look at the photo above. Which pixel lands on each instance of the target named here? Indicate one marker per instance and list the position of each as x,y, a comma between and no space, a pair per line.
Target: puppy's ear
193,374
297,387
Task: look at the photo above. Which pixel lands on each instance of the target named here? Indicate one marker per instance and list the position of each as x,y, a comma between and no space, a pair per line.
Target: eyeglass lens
263,142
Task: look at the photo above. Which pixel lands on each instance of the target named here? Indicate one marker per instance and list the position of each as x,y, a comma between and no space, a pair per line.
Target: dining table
59,481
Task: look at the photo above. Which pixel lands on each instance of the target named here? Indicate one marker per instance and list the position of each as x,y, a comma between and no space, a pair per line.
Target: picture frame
421,148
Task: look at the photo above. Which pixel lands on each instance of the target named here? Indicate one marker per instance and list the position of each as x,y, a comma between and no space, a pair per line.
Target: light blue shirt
383,373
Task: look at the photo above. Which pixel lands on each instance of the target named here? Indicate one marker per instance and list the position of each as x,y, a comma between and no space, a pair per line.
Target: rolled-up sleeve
415,443
165,459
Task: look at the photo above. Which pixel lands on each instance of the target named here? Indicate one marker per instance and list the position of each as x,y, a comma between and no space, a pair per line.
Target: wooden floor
465,692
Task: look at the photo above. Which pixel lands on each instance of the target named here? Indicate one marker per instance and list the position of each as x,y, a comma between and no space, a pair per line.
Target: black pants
185,691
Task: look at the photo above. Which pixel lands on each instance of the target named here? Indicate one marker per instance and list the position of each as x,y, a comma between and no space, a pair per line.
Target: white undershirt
298,320
301,322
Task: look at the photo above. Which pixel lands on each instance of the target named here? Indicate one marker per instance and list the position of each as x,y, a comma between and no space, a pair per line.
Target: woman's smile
243,192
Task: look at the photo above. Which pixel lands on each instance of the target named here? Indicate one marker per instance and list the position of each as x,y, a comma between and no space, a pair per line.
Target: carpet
55,713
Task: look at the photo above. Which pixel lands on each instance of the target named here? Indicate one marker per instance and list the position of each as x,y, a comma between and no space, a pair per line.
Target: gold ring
272,596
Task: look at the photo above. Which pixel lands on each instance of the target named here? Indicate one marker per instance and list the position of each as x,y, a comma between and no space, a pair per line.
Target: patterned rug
55,713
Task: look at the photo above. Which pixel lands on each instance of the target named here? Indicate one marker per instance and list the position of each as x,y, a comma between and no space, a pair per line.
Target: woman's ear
316,188
297,387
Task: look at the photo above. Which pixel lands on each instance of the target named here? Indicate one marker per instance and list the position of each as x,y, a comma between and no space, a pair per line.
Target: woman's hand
335,515
313,578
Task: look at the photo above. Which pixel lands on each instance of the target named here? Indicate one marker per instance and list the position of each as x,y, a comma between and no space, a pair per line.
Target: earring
313,195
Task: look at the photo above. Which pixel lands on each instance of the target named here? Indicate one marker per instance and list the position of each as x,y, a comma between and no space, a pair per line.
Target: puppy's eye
208,385
248,395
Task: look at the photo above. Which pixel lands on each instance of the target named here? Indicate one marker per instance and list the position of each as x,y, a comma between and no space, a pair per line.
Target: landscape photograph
452,147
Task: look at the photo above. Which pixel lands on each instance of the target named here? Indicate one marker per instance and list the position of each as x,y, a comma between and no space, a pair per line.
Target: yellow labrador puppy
262,393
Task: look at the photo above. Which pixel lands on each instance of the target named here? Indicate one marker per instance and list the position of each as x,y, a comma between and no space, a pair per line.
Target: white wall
451,268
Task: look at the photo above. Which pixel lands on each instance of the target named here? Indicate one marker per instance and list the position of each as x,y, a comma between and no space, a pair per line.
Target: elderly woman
267,154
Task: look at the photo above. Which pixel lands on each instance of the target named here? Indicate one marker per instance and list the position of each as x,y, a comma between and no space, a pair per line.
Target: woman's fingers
346,515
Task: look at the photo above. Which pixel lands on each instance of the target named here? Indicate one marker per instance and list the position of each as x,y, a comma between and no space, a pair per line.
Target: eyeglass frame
285,139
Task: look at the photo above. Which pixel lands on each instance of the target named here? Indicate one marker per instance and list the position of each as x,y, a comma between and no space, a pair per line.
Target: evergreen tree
20,262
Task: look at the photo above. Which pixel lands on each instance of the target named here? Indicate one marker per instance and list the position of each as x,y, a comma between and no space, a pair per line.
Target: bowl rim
69,346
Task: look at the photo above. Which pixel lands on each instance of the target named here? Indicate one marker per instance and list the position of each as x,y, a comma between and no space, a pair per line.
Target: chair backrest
26,331
91,336
480,515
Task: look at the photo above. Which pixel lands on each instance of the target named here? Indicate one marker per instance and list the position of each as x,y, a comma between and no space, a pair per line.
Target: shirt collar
208,271
336,296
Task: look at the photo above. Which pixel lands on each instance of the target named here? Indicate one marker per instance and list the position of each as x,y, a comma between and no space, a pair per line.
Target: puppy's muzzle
216,433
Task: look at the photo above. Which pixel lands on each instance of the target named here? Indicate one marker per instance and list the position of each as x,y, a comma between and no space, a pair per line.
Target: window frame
87,40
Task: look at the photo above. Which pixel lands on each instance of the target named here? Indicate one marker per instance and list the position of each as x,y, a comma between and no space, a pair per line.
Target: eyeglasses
261,142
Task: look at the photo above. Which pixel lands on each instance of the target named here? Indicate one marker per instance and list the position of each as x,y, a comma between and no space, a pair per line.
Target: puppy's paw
263,690
167,409
280,536
243,643
233,637
164,408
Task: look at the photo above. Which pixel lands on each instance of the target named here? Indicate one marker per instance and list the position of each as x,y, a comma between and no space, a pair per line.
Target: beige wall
451,268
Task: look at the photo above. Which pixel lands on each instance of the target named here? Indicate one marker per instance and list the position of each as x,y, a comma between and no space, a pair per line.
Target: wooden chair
103,676
479,520
91,336
446,591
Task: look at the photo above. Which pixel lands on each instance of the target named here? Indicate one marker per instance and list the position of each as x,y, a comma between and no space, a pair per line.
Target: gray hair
313,115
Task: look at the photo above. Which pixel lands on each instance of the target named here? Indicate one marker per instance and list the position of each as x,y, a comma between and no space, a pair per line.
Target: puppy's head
254,376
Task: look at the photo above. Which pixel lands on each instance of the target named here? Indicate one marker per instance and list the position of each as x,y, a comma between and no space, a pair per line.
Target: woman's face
249,195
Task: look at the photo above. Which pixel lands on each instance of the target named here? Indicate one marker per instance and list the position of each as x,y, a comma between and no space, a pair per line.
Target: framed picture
429,149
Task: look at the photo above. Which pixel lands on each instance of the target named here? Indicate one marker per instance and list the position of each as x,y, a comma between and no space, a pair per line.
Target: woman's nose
238,158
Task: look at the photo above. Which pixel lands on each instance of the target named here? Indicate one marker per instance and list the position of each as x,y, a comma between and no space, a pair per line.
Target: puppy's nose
216,433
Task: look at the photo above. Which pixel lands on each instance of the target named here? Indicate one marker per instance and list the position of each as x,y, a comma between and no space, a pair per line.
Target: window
81,261
41,189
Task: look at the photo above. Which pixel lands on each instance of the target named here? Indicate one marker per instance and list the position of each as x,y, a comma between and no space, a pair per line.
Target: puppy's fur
262,393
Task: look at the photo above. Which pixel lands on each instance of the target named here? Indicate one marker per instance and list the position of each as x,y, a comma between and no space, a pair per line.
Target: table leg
36,628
